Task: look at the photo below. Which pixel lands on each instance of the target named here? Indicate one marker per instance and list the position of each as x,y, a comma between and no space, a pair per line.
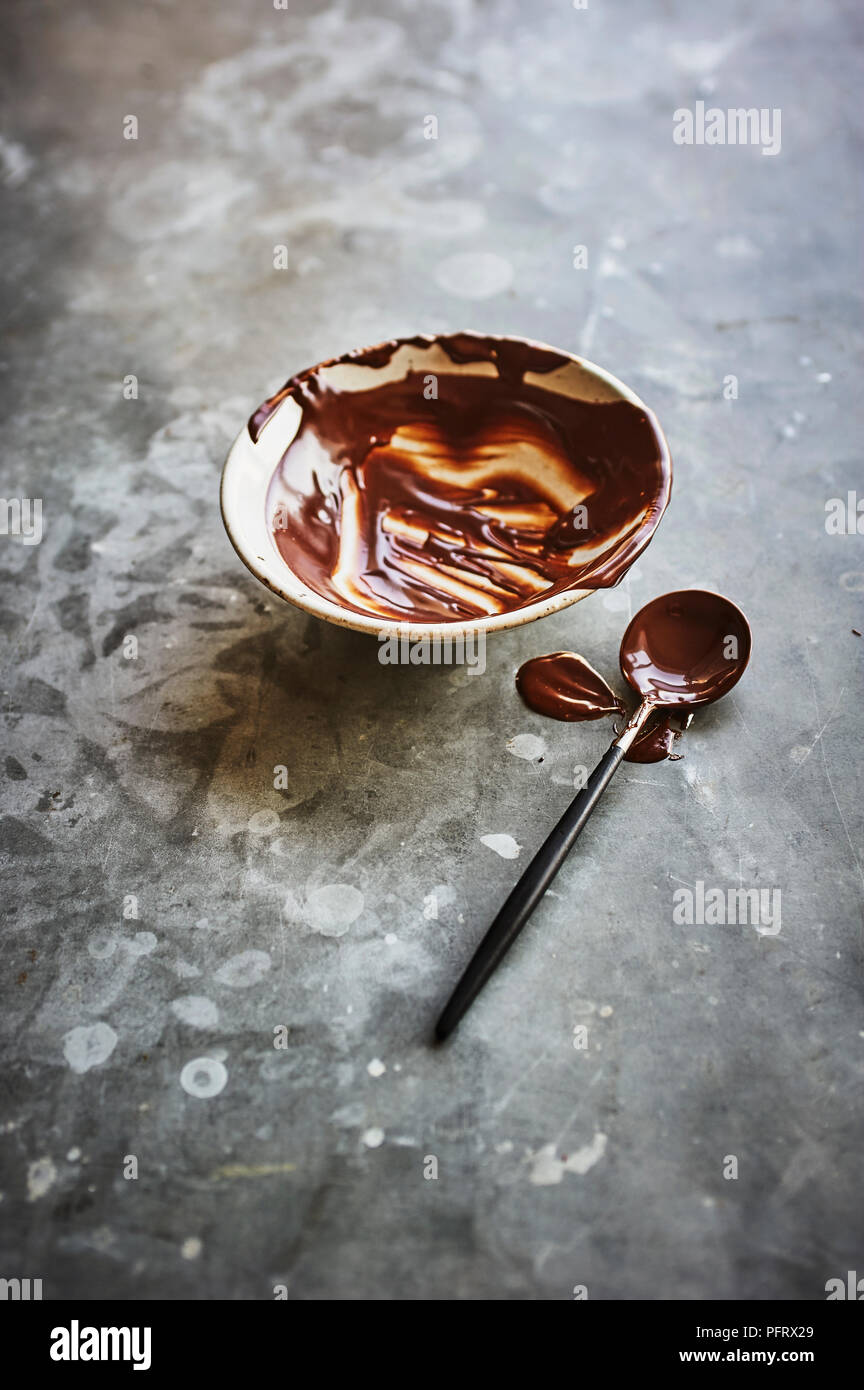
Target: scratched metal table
216,1078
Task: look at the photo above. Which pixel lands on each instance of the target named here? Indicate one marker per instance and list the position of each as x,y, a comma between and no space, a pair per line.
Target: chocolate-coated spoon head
685,648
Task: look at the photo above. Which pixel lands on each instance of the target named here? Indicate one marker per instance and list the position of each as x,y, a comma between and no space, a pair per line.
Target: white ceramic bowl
250,467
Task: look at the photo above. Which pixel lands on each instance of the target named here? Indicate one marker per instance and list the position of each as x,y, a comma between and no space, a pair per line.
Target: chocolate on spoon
682,650
563,685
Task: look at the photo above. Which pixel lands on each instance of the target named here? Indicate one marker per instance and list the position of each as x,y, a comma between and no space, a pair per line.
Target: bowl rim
237,505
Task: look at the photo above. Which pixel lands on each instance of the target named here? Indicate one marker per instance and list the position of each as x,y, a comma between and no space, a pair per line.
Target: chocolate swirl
465,493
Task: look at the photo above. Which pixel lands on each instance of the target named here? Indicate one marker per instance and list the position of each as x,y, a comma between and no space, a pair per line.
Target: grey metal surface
151,777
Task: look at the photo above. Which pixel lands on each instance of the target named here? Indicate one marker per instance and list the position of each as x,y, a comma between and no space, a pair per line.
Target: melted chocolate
687,648
495,493
682,649
655,742
563,685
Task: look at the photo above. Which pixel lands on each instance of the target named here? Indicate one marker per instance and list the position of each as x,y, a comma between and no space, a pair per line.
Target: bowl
452,482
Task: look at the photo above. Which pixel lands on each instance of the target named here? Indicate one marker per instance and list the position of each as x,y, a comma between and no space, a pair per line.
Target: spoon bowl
685,648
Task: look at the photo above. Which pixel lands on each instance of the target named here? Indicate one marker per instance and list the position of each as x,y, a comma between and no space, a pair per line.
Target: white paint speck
548,1169
191,1248
823,377
430,907
73,1155
605,1011
474,275
89,1046
196,1010
504,845
204,1077
243,970
373,1138
40,1177
331,909
527,746
391,938
376,1067
16,163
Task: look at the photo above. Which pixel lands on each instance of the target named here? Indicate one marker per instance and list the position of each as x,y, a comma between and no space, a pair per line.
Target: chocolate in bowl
458,479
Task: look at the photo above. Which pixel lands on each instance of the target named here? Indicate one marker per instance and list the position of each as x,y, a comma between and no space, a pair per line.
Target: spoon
682,649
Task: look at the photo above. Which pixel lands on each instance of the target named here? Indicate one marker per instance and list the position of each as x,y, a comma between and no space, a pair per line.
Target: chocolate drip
655,743
488,496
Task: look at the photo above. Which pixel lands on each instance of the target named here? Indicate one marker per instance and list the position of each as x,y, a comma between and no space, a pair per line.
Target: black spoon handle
528,892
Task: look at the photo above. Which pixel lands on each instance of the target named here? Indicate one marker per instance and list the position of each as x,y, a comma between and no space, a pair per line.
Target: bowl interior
560,381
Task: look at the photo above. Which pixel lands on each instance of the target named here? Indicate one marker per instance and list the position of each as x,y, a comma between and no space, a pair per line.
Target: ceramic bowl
251,465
